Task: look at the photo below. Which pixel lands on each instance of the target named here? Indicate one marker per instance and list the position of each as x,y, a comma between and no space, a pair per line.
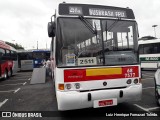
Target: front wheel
5,74
157,96
10,73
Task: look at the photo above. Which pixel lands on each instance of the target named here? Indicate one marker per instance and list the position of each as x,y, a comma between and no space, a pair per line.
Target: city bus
149,51
39,57
94,56
8,60
29,59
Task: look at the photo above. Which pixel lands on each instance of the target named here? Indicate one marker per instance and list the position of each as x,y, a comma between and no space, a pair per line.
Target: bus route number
87,61
130,73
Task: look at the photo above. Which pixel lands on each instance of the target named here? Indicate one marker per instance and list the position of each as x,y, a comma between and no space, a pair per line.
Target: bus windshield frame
100,48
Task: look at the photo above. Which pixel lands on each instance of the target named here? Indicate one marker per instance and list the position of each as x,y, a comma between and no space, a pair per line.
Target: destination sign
95,10
106,12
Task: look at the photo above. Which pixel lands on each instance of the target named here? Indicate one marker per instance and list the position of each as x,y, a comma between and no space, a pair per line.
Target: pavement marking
17,90
147,74
145,109
148,88
29,78
147,78
2,103
13,84
17,80
7,91
24,83
153,108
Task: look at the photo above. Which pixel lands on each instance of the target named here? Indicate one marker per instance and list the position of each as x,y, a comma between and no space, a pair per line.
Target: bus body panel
15,67
78,98
26,64
149,60
6,66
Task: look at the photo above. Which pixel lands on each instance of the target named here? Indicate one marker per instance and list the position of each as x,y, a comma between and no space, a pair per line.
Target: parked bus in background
29,59
96,56
40,57
25,59
8,60
149,50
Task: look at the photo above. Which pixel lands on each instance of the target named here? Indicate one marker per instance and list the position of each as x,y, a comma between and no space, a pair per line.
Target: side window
155,48
146,49
13,55
8,54
158,47
141,49
2,52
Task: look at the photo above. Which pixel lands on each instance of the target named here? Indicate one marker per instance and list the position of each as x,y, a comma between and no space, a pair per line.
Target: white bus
94,53
25,60
149,50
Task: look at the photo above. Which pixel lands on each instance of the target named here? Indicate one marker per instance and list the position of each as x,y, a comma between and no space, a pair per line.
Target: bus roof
95,10
149,41
6,46
41,50
33,50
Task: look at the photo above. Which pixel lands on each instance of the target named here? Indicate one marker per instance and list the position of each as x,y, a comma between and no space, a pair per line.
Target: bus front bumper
78,100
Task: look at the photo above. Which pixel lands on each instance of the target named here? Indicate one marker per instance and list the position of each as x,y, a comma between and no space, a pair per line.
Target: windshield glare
115,42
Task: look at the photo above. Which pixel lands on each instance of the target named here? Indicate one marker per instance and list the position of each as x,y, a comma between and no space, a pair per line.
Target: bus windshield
115,42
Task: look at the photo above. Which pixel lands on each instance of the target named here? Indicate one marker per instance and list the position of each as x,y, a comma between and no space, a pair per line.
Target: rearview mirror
51,29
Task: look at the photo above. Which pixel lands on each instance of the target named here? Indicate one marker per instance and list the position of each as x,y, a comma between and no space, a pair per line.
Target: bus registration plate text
104,103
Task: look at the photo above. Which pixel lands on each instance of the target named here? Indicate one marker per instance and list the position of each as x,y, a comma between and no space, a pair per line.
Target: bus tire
6,74
10,73
157,96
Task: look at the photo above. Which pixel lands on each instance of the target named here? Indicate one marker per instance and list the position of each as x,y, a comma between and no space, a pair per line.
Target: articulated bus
29,59
94,52
8,60
149,50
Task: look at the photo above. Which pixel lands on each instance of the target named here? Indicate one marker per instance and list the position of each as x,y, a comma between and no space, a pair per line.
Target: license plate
104,103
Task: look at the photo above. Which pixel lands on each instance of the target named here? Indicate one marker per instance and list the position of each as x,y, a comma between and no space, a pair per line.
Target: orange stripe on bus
103,71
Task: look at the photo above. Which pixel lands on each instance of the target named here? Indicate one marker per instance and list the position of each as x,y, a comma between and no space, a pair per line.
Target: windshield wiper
88,25
113,24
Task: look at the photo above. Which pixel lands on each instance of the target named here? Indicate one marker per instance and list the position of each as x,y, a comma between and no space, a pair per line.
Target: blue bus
39,56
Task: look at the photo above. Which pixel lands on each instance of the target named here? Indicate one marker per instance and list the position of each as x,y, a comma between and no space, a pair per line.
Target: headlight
135,81
129,81
68,86
77,85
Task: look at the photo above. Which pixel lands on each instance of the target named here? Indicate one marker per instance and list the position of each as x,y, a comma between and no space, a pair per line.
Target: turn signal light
61,86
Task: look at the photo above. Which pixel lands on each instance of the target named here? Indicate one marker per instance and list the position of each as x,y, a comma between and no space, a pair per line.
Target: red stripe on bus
78,75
